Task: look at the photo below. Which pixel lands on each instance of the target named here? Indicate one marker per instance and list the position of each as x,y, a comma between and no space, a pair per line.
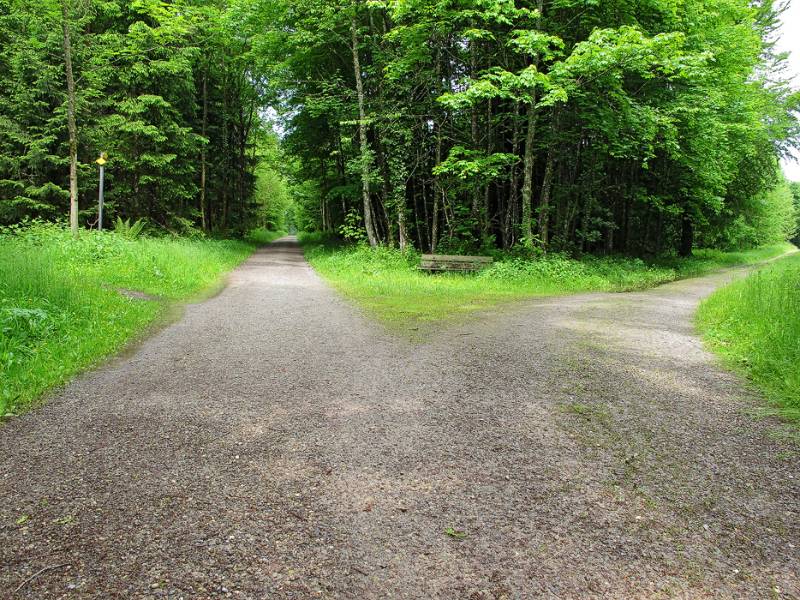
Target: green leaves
472,164
455,533
595,125
610,52
129,230
139,70
500,84
537,43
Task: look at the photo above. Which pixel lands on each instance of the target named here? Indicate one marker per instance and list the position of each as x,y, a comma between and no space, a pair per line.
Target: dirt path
275,444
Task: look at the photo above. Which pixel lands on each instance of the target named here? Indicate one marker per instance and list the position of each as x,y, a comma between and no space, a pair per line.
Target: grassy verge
754,324
387,283
262,236
60,307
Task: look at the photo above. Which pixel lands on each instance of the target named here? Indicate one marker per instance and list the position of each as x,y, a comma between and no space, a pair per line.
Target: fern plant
129,230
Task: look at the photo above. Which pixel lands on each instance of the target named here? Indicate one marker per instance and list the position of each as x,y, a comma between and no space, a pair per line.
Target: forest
641,127
632,127
167,90
230,368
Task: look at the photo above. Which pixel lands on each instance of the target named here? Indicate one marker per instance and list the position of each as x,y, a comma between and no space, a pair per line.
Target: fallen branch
297,515
39,572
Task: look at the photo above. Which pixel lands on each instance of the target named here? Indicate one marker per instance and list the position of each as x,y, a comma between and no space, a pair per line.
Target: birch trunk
527,181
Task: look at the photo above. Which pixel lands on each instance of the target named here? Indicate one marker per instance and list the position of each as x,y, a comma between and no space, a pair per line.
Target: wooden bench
444,262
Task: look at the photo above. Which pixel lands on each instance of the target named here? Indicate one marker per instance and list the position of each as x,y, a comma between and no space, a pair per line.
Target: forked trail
274,443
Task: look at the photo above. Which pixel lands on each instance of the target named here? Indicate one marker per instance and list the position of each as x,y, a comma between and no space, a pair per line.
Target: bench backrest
446,262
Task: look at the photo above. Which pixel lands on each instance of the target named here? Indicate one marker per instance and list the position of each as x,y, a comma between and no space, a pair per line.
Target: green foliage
129,230
166,89
471,164
794,188
775,218
272,196
388,283
645,127
754,324
598,127
262,237
60,308
767,217
352,229
455,533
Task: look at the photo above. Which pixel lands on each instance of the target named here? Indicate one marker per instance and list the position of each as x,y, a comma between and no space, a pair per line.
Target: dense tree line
794,187
166,89
637,126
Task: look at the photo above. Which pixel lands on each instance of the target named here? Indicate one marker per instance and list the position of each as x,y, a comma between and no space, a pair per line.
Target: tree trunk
323,199
476,191
386,196
415,196
203,167
527,181
489,151
687,236
544,206
225,144
362,135
71,124
426,215
402,234
436,189
511,206
547,183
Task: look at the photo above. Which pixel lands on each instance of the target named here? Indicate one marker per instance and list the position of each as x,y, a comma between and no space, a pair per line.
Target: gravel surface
274,443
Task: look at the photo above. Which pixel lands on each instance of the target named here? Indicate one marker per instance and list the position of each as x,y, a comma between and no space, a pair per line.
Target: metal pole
100,200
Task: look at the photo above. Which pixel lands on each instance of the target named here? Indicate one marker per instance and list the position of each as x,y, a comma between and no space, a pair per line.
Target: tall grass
754,324
262,236
389,285
61,309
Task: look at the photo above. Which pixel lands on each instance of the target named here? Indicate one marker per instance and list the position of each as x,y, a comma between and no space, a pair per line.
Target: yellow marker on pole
101,161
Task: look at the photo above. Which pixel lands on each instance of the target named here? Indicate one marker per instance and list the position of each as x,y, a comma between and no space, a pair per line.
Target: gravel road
275,443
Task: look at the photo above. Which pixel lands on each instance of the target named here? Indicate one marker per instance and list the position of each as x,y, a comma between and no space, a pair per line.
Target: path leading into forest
275,444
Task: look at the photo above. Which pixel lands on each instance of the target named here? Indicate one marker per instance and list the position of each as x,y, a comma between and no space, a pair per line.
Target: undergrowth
388,284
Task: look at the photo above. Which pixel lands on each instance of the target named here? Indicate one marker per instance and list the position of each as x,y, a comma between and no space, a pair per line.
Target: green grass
754,324
387,283
60,308
262,236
